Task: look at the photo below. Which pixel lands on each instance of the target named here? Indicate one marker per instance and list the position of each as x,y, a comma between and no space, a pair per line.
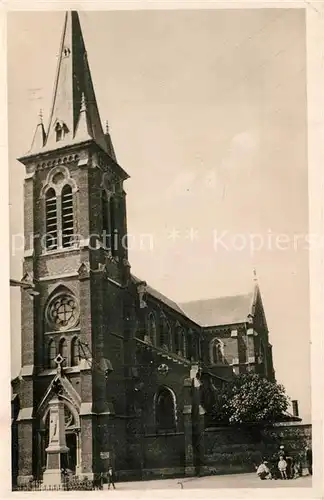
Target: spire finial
40,116
83,103
107,127
254,275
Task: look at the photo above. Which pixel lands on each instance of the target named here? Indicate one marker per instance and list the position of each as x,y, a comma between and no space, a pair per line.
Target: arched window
165,410
113,226
67,217
51,219
105,220
75,354
51,354
216,352
190,346
179,341
58,132
164,333
63,350
152,328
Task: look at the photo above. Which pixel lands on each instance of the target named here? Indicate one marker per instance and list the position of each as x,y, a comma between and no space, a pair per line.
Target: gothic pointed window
63,350
152,328
51,220
217,352
67,216
164,333
180,342
75,355
190,347
165,410
51,354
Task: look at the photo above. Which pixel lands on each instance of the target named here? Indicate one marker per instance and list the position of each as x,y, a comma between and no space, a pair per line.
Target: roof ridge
218,297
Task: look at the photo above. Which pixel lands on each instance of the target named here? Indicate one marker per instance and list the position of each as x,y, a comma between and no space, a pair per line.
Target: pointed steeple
73,93
109,144
39,136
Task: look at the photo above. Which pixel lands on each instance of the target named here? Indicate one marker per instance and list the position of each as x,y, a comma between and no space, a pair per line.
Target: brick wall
233,449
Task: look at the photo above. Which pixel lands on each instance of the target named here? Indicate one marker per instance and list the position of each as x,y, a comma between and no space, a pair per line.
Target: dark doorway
72,453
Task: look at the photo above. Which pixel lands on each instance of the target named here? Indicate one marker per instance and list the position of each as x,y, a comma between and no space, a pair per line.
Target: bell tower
76,254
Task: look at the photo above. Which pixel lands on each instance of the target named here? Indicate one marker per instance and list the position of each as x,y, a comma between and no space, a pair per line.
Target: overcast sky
207,112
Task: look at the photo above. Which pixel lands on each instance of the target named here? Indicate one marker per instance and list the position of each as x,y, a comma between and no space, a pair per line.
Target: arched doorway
72,459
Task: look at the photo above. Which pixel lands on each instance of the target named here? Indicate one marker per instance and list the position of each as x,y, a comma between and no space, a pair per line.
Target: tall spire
73,92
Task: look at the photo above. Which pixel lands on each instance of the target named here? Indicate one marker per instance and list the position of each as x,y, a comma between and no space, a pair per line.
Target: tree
249,398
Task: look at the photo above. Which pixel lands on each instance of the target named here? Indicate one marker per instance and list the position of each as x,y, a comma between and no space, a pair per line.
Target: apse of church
111,362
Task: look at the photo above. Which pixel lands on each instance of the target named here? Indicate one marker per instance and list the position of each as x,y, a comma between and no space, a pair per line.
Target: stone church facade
119,360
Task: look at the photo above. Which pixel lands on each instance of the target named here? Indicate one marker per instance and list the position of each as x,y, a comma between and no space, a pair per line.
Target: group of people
108,476
285,467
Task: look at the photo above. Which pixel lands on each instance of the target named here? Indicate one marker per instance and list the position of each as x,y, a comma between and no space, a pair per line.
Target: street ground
224,481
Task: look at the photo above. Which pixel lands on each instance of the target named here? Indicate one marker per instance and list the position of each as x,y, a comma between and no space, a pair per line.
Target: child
263,471
282,466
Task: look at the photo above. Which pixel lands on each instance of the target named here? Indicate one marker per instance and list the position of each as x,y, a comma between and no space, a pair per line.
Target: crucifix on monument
57,443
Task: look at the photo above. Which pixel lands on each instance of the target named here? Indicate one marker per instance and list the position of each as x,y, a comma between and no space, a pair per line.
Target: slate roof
210,312
219,311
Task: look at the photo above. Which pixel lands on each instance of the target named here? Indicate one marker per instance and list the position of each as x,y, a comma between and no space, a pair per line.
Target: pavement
222,481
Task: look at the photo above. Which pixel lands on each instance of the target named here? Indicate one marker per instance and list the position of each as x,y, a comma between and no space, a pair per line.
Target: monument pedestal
53,474
57,444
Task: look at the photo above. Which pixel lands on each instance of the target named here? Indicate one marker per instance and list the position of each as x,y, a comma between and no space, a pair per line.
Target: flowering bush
250,398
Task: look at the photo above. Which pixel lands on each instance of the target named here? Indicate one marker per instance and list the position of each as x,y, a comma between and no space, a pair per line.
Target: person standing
289,462
111,478
282,466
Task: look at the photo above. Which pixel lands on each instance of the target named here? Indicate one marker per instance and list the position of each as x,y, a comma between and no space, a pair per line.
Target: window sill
72,331
52,371
47,253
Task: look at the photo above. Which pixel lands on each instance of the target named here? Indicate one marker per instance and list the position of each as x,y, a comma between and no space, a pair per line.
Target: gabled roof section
222,310
39,138
162,298
68,391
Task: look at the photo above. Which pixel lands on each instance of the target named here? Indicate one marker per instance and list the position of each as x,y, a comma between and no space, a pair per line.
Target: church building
111,368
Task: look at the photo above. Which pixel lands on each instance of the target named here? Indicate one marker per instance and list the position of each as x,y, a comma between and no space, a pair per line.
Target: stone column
78,466
187,427
57,443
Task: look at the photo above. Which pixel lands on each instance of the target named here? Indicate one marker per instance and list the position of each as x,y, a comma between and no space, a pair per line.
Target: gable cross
58,361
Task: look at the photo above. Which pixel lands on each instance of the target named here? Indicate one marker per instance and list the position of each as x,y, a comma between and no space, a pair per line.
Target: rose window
63,312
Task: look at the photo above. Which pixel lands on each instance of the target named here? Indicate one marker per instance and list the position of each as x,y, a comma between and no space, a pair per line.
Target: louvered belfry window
51,220
67,217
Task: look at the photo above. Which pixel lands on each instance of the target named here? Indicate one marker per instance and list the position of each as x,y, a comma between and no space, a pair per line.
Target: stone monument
57,443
